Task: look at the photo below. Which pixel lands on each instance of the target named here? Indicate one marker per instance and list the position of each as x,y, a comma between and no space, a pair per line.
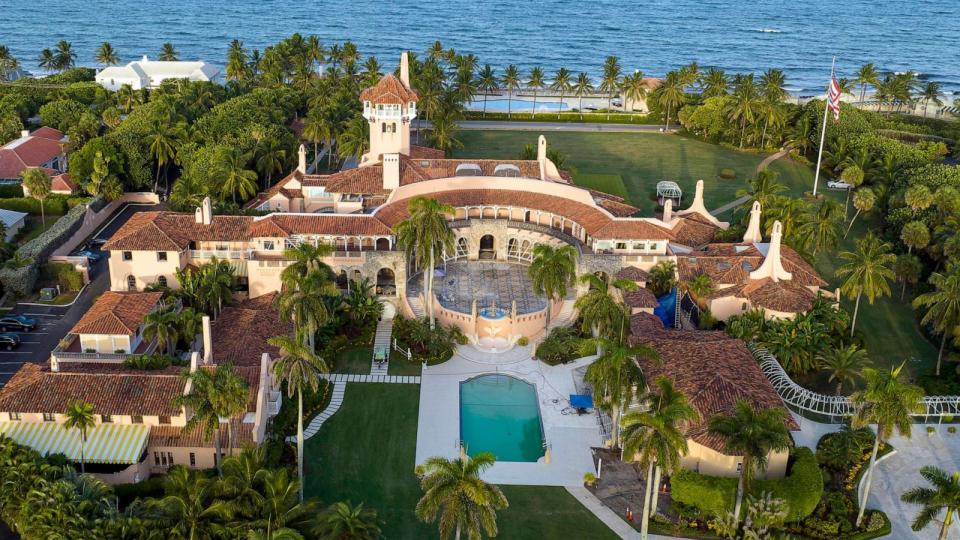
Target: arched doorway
386,282
487,247
383,244
342,280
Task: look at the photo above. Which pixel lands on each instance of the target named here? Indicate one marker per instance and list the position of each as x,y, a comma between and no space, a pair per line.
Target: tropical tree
236,178
79,416
237,67
298,367
610,82
907,268
190,508
867,74
754,434
453,489
601,312
582,87
762,189
106,55
915,235
700,286
64,57
511,83
943,305
945,495
535,83
655,438
888,403
852,175
918,197
305,304
443,135
38,183
487,83
102,182
304,258
844,364
162,326
168,53
162,139
354,140
561,83
863,200
820,226
551,272
279,506
745,104
345,521
671,95
715,83
424,236
663,277
866,271
930,93
270,157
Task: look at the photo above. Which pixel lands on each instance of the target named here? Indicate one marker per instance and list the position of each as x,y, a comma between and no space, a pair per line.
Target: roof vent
746,266
723,265
424,163
507,170
468,169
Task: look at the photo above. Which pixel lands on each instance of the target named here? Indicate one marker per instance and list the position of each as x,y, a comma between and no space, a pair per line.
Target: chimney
207,340
24,132
542,155
772,266
302,162
145,59
206,211
405,69
753,228
391,171
667,210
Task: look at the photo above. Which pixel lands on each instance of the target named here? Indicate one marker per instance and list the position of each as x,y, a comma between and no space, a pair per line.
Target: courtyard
490,284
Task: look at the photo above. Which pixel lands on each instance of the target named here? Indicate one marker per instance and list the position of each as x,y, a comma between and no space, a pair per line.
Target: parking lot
53,322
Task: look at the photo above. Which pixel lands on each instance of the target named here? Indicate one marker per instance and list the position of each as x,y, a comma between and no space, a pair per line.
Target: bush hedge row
801,489
52,205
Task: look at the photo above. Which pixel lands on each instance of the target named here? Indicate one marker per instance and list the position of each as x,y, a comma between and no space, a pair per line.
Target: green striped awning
106,443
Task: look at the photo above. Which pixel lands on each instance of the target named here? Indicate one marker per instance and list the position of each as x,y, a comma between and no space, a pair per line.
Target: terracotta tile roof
731,264
62,183
787,296
714,371
632,228
364,180
640,298
241,332
36,389
425,152
171,231
389,90
617,208
633,274
177,437
48,132
694,230
283,225
29,151
117,313
645,325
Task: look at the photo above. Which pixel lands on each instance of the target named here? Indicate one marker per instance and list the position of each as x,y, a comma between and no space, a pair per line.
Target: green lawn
353,361
641,160
33,227
399,365
365,452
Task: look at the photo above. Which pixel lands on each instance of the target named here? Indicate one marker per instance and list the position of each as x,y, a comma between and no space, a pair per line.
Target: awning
106,443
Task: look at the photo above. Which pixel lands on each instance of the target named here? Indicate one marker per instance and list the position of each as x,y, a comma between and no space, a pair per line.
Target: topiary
728,174
523,341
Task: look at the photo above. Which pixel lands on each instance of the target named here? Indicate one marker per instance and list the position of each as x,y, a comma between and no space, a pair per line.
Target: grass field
641,160
353,361
365,453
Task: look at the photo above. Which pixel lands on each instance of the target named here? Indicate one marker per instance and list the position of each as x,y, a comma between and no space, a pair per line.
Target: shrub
931,429
151,361
728,174
127,493
560,346
523,341
712,494
11,191
801,489
952,429
53,205
432,346
65,276
589,479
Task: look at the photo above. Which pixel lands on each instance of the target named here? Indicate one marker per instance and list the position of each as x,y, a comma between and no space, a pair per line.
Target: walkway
760,167
381,347
336,399
389,379
620,527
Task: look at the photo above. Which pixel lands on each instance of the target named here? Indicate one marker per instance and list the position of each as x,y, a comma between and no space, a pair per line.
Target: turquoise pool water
500,414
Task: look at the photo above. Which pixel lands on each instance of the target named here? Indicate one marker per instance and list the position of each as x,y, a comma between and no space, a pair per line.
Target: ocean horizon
661,35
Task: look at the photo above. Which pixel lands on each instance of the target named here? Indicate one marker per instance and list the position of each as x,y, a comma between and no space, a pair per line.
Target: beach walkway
590,127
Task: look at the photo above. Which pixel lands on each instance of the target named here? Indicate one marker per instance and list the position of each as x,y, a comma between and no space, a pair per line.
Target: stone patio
622,486
487,282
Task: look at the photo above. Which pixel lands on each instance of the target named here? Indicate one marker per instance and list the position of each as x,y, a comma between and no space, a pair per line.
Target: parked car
9,341
838,184
17,322
92,256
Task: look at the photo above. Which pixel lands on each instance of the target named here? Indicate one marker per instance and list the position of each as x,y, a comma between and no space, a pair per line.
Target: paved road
53,322
555,126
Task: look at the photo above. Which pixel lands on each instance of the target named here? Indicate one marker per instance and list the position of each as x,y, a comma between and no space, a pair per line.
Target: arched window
386,282
162,281
131,283
513,249
461,247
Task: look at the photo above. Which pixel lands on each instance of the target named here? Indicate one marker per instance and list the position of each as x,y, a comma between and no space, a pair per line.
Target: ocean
654,36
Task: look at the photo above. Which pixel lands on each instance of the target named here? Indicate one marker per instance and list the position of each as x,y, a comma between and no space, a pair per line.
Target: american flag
833,102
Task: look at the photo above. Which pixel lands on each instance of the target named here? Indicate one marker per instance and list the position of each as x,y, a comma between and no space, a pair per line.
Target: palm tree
634,89
867,74
915,235
889,403
844,364
162,138
235,177
535,83
38,184
79,416
918,197
237,67
863,200
582,87
943,304
424,236
162,326
453,489
372,71
552,271
853,175
715,83
753,434
820,227
106,56
47,60
279,505
64,57
601,313
866,272
215,397
930,92
945,495
304,304
671,94
561,83
305,257
510,83
190,508
443,135
655,439
168,53
745,104
487,83
345,521
762,189
610,82
270,157
663,277
907,268
298,366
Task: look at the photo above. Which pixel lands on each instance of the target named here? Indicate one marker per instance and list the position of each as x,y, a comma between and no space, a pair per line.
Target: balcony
68,350
205,254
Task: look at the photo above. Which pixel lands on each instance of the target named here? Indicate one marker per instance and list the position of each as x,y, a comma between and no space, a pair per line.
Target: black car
9,341
17,322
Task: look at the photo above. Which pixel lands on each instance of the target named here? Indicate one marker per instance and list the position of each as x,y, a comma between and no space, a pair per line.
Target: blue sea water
654,36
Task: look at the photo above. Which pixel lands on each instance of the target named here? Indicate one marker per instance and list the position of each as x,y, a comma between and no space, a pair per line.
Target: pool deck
570,436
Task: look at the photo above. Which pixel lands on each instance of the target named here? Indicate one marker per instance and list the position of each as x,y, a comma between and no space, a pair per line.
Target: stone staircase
416,305
382,346
565,317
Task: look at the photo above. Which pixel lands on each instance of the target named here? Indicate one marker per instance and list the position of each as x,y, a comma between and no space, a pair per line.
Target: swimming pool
499,414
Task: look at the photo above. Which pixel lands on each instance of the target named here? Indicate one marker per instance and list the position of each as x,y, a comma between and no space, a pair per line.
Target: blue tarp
667,308
581,402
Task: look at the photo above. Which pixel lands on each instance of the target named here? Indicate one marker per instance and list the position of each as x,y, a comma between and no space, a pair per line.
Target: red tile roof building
42,148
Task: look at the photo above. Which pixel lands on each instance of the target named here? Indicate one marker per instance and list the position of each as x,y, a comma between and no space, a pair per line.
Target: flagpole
823,129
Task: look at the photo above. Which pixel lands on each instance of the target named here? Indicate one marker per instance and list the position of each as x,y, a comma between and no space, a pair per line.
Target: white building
148,73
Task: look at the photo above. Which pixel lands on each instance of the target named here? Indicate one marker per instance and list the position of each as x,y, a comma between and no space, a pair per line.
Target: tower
390,106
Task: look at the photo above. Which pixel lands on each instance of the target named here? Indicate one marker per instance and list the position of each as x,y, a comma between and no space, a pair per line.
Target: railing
840,407
525,225
59,355
219,253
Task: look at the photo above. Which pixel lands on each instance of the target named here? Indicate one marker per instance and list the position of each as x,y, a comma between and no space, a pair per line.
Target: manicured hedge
8,191
52,205
712,494
801,489
127,493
